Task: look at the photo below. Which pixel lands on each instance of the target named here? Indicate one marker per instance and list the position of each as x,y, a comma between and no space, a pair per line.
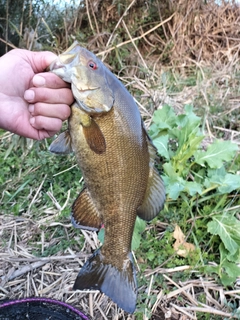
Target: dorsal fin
154,198
84,212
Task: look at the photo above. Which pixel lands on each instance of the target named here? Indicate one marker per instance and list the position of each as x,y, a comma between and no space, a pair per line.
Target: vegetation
181,63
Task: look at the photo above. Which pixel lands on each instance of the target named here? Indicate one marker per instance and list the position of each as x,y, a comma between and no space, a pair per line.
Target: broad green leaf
224,182
186,150
192,187
164,118
212,269
228,229
216,174
234,257
140,226
229,183
168,168
161,144
218,152
229,270
174,185
173,182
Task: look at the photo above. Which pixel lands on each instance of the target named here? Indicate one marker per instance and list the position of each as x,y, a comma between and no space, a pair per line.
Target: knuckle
41,94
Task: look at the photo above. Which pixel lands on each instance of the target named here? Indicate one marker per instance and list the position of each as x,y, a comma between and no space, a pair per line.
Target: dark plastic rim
9,303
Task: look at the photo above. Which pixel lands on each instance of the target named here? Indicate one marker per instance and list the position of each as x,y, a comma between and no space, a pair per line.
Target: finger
49,80
46,95
41,60
49,124
61,111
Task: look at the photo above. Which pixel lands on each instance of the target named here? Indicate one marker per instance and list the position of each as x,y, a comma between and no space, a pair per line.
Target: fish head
89,79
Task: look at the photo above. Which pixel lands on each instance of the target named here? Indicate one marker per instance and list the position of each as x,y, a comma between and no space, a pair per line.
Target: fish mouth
55,65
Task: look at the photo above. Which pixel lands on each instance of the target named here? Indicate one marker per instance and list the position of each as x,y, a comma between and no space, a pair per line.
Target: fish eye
92,65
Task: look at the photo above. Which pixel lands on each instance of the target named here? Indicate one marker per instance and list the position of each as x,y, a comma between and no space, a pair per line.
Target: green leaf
218,152
101,235
139,227
224,182
192,187
229,270
150,255
228,229
174,186
229,183
164,118
234,257
161,143
168,168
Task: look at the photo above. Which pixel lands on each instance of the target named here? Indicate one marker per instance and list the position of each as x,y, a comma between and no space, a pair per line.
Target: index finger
49,80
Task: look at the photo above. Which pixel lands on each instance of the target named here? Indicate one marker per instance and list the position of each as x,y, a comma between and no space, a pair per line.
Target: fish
117,159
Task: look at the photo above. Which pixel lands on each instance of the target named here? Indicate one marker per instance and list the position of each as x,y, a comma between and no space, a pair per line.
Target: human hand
33,104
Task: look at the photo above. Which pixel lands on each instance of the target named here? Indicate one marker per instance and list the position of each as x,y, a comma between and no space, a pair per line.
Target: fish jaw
64,65
88,77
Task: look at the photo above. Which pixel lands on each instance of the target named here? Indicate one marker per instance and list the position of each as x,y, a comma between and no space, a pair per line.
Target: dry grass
24,275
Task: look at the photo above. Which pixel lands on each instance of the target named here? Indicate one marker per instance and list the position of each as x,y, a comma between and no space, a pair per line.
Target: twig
118,23
133,43
183,311
8,43
170,270
23,270
48,259
190,298
89,18
208,310
36,194
91,304
137,38
148,294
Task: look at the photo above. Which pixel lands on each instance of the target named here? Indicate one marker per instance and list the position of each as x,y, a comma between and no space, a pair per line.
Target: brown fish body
117,162
117,178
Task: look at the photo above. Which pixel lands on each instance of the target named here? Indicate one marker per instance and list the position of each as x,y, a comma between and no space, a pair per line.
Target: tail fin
119,285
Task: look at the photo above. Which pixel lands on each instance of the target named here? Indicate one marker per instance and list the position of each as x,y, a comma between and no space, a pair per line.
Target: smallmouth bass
116,157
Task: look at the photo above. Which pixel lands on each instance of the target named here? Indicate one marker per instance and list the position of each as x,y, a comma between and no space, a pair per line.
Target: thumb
41,60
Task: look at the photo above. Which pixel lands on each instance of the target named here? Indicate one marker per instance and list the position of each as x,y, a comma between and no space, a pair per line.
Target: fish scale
116,157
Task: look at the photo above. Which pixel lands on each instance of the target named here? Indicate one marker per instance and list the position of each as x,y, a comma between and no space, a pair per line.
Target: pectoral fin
94,137
92,133
84,212
62,144
154,198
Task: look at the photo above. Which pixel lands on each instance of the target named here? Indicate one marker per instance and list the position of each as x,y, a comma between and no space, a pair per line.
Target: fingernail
29,95
32,121
31,108
39,81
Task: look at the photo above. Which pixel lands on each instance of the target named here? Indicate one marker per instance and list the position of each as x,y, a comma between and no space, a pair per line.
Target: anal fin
62,144
84,213
154,198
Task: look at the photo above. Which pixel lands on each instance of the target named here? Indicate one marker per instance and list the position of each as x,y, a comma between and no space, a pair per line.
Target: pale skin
33,103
